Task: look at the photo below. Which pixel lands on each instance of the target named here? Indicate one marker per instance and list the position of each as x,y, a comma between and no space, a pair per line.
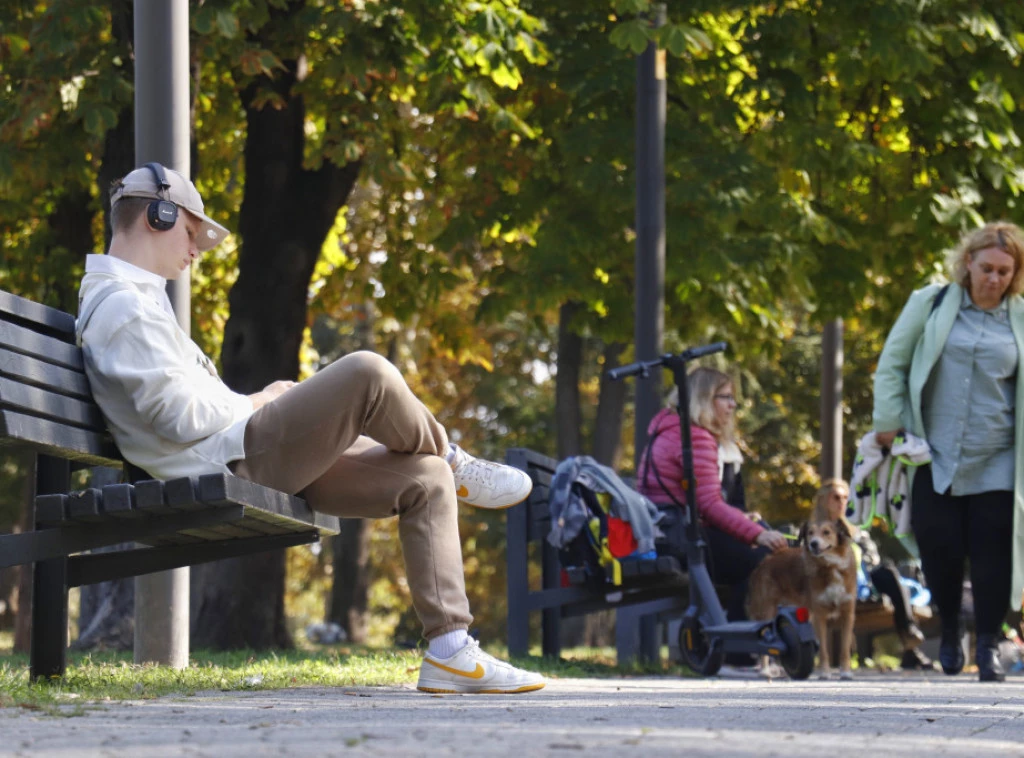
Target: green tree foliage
62,87
819,158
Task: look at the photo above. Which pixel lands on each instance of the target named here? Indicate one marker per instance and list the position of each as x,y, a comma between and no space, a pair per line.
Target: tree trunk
9,578
118,160
351,578
70,225
106,613
350,586
599,628
286,213
119,142
12,593
567,384
611,401
106,617
568,424
23,622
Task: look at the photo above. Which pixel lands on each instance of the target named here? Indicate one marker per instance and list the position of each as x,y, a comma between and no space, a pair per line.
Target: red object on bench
621,541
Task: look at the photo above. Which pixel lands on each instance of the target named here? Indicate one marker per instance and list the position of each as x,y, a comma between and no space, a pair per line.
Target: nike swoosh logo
477,674
462,492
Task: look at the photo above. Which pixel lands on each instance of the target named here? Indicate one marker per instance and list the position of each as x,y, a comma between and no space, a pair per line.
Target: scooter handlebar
642,367
629,369
699,352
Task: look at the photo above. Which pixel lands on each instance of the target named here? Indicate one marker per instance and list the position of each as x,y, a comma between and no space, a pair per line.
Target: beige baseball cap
143,182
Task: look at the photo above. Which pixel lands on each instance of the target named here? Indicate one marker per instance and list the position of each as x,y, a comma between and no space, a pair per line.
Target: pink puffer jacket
667,455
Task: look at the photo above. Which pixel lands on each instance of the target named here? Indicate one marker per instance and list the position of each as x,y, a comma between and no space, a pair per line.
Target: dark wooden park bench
656,587
46,407
657,590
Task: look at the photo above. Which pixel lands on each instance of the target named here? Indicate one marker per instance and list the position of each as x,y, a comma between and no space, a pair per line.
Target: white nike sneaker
474,671
483,484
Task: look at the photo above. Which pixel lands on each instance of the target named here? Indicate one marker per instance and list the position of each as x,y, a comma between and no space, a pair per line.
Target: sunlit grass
98,677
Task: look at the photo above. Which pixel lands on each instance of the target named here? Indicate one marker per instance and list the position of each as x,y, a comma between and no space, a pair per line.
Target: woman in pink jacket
737,540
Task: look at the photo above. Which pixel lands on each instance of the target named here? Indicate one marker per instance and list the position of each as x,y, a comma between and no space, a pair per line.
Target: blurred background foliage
820,157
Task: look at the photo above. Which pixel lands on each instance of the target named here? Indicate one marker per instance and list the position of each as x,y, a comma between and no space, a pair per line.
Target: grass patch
102,677
99,677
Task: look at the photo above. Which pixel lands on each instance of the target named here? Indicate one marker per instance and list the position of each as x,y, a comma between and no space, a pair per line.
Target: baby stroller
705,635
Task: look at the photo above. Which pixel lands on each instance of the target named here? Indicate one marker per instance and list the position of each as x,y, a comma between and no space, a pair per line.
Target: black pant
886,579
731,562
950,529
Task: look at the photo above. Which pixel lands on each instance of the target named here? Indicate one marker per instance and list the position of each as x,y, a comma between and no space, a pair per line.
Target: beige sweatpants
356,443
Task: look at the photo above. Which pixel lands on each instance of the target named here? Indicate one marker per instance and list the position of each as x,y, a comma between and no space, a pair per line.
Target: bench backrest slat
45,399
46,348
36,316
61,440
33,401
62,381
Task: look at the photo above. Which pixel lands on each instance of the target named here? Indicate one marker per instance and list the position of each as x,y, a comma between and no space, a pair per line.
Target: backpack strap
938,299
649,466
85,317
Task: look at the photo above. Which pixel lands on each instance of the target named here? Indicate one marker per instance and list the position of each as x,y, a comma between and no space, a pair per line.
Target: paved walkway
877,715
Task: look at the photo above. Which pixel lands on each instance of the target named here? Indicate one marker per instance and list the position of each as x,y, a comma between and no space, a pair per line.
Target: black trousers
951,529
731,562
886,579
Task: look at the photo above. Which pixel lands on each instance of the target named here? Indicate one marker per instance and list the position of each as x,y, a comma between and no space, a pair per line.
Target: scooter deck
736,629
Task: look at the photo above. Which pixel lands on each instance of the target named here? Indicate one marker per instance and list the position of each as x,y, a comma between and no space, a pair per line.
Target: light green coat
911,351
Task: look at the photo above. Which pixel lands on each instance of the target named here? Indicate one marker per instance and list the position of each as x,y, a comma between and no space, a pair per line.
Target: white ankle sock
447,645
450,455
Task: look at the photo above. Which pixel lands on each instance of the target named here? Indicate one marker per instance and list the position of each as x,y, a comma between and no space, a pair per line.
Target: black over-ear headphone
161,213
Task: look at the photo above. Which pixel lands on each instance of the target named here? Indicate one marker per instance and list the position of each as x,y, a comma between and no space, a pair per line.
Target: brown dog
821,575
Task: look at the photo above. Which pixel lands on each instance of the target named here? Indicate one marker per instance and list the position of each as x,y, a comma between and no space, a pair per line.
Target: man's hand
884,439
269,393
773,540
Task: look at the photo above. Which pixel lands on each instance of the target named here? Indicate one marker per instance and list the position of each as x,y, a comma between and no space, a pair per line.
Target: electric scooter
705,635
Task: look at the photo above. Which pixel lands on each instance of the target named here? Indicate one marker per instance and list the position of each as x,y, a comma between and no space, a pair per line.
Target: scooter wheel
798,660
696,648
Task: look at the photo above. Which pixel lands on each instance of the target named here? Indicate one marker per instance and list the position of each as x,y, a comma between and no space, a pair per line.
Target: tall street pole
635,631
162,135
832,400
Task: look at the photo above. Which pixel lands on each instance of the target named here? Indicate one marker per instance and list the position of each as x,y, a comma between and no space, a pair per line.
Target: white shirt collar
151,285
108,264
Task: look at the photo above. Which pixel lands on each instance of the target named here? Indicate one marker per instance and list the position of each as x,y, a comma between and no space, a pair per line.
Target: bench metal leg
551,618
48,657
636,634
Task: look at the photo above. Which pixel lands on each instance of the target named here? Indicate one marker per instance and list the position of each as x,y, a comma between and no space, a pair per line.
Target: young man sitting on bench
352,439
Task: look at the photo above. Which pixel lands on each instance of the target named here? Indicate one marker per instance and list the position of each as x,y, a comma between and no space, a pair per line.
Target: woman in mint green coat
949,374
